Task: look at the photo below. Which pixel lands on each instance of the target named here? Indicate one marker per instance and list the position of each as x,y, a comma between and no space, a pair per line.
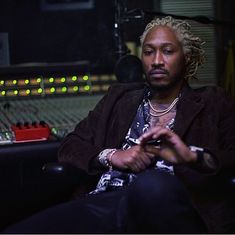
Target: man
158,149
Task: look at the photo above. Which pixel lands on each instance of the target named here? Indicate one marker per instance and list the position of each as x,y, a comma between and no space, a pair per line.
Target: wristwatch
199,152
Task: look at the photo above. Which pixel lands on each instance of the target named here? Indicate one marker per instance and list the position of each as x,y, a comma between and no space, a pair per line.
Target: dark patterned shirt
114,179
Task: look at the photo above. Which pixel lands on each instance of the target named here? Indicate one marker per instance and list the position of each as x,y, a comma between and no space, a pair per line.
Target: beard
164,87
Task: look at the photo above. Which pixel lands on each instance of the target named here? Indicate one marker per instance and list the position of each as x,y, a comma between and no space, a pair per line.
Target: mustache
158,71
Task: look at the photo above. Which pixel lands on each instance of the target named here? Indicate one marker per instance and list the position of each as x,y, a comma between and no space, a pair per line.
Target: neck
166,96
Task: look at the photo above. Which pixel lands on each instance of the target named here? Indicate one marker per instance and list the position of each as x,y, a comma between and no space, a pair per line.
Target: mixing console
37,119
46,101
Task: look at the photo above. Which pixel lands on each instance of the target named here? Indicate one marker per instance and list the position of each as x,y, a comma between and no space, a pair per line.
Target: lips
158,73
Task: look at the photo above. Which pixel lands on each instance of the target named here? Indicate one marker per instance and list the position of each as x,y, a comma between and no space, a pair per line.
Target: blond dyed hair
192,45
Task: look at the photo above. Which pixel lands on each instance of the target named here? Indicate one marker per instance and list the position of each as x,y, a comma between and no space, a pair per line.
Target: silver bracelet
103,157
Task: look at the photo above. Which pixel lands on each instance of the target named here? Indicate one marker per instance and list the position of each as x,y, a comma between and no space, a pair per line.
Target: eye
147,52
168,51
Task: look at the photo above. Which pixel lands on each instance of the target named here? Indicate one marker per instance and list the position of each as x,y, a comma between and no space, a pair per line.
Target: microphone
129,69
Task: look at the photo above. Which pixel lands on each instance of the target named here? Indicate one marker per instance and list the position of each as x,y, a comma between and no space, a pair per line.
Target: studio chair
73,181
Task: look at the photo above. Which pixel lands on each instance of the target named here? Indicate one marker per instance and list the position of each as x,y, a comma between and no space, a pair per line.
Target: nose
158,59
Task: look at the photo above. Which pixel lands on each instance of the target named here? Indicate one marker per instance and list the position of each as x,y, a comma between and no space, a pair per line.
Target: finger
137,167
162,133
171,158
151,150
149,135
147,159
169,155
136,163
144,160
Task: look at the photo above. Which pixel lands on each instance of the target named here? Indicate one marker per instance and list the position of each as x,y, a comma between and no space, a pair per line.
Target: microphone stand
121,48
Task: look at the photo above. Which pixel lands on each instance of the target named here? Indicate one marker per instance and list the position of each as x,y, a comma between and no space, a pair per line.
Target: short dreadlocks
191,44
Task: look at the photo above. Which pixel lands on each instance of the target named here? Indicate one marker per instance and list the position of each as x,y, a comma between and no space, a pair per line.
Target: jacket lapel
125,114
190,104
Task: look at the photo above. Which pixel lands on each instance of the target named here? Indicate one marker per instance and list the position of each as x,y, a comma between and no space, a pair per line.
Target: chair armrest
231,180
227,181
68,176
64,173
61,169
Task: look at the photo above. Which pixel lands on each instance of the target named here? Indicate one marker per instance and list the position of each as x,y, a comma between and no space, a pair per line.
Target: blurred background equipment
129,69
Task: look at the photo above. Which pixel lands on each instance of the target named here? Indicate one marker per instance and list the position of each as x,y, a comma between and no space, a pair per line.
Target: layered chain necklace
157,113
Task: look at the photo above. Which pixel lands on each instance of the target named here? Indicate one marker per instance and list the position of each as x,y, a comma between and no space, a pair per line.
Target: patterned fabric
113,179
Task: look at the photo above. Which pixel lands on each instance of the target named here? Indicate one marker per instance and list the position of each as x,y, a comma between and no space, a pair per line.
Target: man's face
163,58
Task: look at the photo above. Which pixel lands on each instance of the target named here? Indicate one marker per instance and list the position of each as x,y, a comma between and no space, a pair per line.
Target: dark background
40,35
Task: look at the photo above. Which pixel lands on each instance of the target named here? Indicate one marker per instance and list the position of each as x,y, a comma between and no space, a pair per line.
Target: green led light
86,88
51,79
39,80
27,91
3,92
52,90
2,82
75,88
26,81
85,77
74,78
15,92
64,89
54,130
14,82
63,79
39,90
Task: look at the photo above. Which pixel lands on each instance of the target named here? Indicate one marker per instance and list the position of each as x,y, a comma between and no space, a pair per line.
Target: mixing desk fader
41,118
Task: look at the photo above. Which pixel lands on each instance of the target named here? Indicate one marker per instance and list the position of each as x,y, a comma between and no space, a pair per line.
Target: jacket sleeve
78,147
223,142
226,128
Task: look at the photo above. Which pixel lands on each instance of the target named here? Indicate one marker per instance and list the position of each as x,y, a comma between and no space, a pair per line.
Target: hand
172,148
135,158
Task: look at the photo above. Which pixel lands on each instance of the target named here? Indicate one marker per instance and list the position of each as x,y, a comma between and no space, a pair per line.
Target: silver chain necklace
158,113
